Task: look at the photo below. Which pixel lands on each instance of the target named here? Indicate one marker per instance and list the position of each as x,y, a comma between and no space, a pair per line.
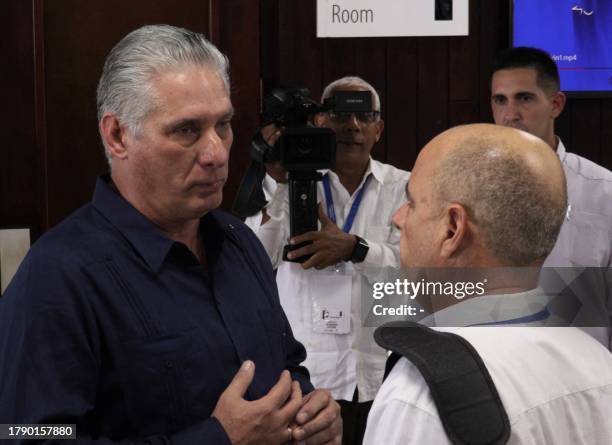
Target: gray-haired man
147,316
322,295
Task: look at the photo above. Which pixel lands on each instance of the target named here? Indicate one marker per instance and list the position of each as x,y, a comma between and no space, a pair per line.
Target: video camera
302,149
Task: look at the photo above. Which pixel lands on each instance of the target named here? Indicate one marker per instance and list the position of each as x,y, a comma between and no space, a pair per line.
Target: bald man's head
486,195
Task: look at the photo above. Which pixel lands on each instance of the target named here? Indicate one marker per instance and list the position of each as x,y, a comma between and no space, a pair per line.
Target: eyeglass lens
362,116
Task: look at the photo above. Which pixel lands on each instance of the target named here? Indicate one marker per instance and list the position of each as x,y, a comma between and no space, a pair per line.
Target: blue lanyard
330,203
542,315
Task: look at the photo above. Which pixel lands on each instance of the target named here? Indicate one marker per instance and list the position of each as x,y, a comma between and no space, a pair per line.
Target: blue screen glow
577,34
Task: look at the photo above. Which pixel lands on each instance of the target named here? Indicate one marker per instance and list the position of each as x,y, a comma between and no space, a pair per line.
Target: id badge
331,301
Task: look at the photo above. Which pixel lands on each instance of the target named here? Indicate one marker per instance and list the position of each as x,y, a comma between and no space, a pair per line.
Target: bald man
484,196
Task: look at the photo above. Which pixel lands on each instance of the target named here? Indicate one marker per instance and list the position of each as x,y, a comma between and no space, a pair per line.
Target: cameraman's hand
329,246
265,420
271,133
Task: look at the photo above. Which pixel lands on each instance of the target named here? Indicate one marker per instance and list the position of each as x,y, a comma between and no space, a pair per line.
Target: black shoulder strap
464,393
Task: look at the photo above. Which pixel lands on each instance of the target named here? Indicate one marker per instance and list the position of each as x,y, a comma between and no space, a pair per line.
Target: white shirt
339,362
555,384
585,239
586,235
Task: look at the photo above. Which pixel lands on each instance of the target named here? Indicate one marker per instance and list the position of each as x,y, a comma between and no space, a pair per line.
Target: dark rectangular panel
432,87
464,69
444,10
371,65
493,37
401,102
22,166
463,112
586,128
239,39
300,61
606,133
339,58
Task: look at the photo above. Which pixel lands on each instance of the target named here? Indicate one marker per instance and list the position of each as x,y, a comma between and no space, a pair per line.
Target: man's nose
214,152
352,123
513,113
399,216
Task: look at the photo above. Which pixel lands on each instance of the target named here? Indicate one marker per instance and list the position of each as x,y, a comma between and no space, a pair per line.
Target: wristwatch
360,251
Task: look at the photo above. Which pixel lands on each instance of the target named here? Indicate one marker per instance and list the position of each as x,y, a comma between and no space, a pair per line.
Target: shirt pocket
151,373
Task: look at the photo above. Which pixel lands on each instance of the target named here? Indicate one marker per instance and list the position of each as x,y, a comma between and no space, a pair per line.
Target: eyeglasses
365,117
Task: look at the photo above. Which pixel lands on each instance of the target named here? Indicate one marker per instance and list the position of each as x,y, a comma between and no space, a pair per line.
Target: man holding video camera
321,296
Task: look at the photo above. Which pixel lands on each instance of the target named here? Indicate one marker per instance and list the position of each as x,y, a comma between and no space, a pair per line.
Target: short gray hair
351,81
125,88
519,214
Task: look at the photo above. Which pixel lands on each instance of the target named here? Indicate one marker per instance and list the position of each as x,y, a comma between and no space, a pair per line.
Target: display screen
576,33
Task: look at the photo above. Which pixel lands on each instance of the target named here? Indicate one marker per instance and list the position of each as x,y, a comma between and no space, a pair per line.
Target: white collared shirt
585,239
339,362
555,384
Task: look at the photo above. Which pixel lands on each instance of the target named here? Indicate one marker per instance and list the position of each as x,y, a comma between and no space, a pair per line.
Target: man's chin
350,145
204,204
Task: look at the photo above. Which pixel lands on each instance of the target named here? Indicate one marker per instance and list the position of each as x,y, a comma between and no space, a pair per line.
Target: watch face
360,251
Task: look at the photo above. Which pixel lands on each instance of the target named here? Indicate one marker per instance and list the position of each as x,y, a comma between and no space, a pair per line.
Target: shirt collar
374,168
492,309
150,243
560,149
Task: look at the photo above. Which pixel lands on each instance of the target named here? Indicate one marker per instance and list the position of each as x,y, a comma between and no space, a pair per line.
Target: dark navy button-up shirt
112,326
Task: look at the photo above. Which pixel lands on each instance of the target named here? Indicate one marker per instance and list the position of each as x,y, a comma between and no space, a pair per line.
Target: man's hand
265,420
329,246
318,421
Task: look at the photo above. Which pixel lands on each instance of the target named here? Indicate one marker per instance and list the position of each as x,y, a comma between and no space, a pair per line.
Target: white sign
389,18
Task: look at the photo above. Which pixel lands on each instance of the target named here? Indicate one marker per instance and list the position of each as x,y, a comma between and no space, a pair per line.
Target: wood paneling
51,149
78,36
586,131
22,202
400,103
239,39
606,133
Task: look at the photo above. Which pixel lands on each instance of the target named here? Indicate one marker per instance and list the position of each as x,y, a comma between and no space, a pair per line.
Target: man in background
487,197
322,295
525,94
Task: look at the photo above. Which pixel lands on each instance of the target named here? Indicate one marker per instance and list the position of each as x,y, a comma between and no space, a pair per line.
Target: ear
380,126
558,103
113,134
455,226
319,120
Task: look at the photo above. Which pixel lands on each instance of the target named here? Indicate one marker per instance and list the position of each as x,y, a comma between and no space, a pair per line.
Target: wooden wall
54,50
